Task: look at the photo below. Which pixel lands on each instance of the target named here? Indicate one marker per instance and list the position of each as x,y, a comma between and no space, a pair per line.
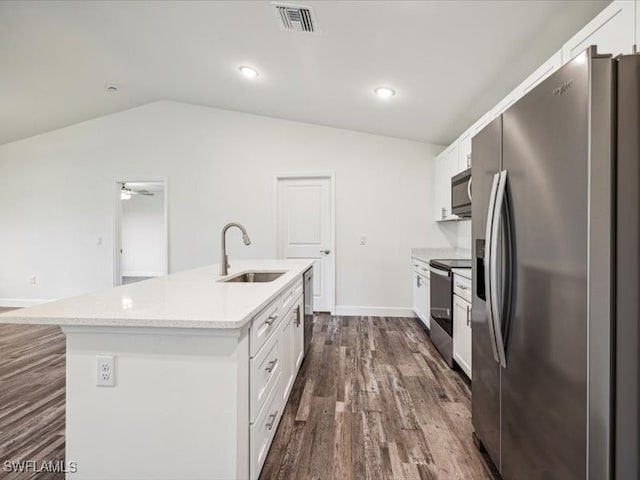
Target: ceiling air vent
295,18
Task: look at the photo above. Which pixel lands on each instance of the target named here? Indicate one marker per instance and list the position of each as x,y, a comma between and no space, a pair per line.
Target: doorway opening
140,240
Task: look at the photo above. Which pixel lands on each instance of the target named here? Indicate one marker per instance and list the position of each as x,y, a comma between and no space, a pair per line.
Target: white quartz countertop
463,272
190,299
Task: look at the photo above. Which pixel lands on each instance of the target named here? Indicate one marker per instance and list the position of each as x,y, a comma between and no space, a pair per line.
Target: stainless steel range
442,304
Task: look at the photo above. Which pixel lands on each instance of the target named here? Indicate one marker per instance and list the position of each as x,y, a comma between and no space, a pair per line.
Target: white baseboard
349,311
142,274
23,302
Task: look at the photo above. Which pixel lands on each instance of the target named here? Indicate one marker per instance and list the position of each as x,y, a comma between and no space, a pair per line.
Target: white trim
24,302
117,223
350,311
331,175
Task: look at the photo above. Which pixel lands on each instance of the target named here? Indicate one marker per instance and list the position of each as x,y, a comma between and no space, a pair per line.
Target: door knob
326,252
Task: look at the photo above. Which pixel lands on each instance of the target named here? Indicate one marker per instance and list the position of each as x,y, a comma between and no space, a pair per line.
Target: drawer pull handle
468,315
298,315
459,285
273,417
272,318
272,364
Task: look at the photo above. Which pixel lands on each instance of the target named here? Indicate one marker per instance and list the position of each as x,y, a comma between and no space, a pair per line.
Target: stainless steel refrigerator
555,220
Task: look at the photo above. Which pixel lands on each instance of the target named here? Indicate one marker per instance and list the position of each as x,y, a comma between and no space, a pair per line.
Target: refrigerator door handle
487,270
493,268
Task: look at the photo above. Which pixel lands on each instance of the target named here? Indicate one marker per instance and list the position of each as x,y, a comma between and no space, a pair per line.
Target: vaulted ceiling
449,61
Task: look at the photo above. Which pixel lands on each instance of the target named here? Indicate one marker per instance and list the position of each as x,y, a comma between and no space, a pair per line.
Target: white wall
463,239
57,195
143,235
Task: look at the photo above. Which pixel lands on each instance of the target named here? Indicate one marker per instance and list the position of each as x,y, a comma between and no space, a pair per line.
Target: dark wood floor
32,397
373,400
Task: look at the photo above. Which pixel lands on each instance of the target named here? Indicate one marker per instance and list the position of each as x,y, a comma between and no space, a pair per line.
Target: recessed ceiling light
249,72
111,88
385,92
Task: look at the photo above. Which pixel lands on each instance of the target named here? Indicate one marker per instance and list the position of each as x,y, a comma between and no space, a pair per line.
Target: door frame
331,176
117,223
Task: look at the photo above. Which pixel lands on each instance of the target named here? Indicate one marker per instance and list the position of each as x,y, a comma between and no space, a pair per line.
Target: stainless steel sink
254,277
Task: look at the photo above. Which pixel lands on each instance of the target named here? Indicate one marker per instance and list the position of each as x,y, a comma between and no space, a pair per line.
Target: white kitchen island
201,372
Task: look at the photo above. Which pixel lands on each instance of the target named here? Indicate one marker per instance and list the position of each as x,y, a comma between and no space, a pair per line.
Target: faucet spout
224,259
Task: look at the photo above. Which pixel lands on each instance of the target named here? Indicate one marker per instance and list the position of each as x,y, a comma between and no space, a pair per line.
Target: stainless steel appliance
461,194
555,387
441,295
308,307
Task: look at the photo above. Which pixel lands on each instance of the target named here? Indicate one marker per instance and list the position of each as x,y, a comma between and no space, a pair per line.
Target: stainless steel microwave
461,194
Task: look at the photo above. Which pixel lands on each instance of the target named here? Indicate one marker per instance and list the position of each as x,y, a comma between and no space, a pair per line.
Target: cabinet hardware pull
468,315
418,282
271,319
273,417
298,319
326,252
459,285
272,365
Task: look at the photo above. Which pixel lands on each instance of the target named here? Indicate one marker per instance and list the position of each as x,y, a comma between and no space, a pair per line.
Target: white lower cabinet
421,291
292,340
264,428
298,336
462,334
277,334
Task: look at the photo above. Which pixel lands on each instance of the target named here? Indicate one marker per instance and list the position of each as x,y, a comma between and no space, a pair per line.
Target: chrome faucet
224,259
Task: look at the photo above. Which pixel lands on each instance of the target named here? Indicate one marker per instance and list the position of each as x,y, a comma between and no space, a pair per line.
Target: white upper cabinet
541,73
613,31
445,168
464,153
506,102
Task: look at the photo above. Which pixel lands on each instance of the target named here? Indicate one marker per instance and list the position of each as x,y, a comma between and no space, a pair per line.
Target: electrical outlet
105,371
363,240
99,241
33,279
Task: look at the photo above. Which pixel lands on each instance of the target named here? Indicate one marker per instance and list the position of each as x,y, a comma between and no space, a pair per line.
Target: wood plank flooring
373,400
32,397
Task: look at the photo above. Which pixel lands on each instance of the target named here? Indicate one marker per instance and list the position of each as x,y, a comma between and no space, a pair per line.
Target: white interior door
305,230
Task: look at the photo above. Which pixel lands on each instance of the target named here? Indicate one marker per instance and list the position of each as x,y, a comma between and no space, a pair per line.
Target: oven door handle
438,271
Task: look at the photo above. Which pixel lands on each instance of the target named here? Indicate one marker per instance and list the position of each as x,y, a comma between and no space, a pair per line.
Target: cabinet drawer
262,431
462,287
263,325
290,295
264,369
421,267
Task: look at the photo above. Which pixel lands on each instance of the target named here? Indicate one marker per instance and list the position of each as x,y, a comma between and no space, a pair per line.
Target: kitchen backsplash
463,240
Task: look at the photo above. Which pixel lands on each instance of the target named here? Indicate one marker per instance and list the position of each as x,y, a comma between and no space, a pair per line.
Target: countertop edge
13,317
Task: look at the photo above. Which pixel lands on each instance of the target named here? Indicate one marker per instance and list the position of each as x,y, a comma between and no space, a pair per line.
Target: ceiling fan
126,192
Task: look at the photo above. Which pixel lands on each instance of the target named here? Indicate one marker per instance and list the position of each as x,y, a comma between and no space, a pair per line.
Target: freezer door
485,398
544,385
627,422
